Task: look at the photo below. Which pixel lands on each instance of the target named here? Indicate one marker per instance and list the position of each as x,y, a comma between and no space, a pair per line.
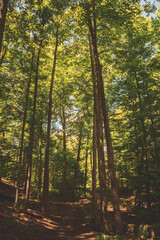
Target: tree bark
40,159
64,156
76,166
94,172
111,165
138,198
86,169
3,13
22,133
23,171
3,56
28,183
101,164
46,171
98,125
94,169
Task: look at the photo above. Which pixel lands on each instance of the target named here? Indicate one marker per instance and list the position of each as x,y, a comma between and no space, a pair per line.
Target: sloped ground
67,220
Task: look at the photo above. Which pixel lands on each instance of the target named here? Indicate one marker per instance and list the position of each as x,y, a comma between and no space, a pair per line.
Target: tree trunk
98,125
94,172
86,170
76,166
22,133
94,169
111,166
101,164
28,183
46,171
138,197
3,56
40,159
3,13
64,156
23,171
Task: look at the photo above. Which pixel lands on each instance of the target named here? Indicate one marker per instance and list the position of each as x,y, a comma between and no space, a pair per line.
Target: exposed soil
67,220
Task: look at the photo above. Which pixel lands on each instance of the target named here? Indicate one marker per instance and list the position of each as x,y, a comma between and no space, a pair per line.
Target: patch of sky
155,5
58,125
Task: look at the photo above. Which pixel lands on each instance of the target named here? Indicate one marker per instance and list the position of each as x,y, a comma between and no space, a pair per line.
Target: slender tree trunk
91,158
40,160
23,169
111,165
76,166
22,133
64,156
99,136
3,13
3,56
3,142
139,162
28,183
101,164
46,171
94,169
94,172
86,170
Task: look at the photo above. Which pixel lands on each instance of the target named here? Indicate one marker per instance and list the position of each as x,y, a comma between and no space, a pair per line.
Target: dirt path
71,221
67,220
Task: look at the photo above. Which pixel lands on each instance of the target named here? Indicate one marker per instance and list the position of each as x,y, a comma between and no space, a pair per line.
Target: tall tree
40,155
86,167
100,142
64,155
94,170
77,165
98,70
23,128
46,171
31,142
3,13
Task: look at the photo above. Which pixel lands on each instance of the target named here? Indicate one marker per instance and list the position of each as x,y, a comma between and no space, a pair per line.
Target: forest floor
67,220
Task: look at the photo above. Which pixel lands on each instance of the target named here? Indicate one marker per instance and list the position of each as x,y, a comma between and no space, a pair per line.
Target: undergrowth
143,232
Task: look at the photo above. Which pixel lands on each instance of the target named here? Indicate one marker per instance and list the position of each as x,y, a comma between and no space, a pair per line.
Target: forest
80,119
